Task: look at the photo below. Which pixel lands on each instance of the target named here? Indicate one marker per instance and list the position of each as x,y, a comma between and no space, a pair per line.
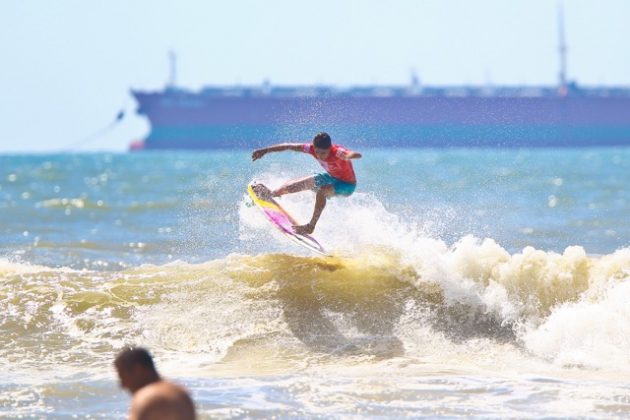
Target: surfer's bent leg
320,202
290,187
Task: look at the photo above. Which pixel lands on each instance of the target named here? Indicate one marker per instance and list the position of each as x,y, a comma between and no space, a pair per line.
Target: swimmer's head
135,368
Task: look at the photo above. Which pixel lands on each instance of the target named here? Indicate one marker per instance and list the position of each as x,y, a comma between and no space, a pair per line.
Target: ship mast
562,51
172,58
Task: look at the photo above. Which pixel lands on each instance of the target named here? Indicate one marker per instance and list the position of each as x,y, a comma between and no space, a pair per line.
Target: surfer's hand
304,229
257,154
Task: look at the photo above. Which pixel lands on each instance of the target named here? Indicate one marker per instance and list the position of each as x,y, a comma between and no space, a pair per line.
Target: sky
67,65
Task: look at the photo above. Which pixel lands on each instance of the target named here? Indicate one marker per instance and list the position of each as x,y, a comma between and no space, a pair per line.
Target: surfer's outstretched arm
258,153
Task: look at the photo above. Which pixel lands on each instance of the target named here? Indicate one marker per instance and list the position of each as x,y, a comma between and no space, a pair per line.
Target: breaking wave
393,290
569,308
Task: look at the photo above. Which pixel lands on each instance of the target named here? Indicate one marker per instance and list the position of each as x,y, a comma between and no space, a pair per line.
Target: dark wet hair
132,356
322,141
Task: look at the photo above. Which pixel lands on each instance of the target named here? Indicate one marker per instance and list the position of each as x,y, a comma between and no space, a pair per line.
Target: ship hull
195,121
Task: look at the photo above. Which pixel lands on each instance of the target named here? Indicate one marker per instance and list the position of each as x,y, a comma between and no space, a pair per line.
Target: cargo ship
565,115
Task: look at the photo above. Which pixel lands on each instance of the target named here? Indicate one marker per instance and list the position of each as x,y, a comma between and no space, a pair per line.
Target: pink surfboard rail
280,218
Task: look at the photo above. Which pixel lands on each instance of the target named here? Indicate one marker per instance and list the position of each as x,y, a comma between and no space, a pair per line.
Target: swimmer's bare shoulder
162,400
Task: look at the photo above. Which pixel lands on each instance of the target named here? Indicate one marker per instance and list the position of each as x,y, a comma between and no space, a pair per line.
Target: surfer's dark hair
322,141
132,356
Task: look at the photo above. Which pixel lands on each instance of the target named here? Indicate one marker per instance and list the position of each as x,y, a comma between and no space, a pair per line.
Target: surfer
339,178
153,397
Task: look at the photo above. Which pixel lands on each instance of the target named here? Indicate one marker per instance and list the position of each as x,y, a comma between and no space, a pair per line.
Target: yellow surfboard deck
280,218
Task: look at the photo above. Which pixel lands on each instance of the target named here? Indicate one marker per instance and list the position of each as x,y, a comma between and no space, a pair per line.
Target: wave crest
378,303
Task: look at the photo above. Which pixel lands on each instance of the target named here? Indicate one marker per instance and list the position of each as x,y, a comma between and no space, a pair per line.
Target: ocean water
485,283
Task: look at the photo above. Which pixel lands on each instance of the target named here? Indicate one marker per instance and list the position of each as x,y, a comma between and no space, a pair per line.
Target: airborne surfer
339,178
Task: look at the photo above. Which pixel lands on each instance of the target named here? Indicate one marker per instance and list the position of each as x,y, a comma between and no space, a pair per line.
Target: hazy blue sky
67,65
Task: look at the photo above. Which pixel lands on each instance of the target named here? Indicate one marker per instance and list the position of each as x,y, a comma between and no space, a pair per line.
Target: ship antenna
562,50
172,58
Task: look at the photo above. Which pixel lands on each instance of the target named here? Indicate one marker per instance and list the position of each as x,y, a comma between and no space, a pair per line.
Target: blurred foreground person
153,397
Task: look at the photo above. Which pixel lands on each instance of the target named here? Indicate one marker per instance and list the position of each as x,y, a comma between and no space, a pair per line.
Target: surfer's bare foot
304,229
262,191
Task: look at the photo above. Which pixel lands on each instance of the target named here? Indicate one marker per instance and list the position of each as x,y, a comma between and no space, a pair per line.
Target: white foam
568,307
591,332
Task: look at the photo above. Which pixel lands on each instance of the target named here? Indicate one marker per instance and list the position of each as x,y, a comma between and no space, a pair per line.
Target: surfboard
280,218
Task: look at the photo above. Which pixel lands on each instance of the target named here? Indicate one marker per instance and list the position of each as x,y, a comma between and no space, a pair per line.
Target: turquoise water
79,210
465,282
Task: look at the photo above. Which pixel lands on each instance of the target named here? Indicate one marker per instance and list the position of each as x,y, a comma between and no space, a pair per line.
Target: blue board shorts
340,187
